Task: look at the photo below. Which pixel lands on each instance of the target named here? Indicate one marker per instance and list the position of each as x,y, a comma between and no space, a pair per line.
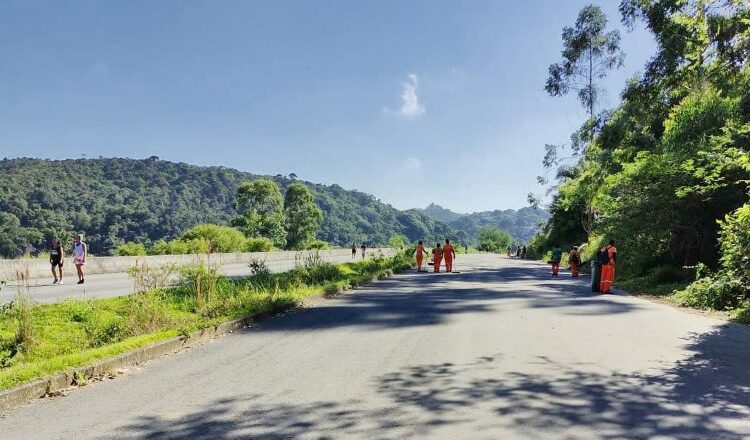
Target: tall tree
590,51
302,216
261,207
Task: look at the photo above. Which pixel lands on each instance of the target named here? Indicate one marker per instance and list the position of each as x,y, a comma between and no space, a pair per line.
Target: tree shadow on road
704,396
427,299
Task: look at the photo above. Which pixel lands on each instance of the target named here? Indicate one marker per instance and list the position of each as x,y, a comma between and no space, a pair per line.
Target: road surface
499,351
117,284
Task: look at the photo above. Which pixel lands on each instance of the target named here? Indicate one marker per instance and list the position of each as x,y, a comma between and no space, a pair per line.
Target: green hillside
118,200
522,224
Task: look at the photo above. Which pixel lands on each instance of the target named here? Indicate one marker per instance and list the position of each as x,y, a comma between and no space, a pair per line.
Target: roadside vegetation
39,339
665,173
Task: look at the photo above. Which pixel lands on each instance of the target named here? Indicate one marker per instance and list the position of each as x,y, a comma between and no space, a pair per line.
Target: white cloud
413,163
410,106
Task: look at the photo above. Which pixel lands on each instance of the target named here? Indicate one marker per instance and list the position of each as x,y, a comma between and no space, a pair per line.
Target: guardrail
39,268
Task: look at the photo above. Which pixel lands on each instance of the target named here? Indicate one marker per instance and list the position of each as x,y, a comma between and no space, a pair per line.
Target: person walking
609,256
437,257
80,252
555,261
523,252
364,250
449,254
419,253
518,251
574,258
56,259
354,250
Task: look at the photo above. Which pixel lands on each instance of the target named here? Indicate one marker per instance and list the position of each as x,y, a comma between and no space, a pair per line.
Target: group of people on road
605,260
354,250
440,253
57,258
520,251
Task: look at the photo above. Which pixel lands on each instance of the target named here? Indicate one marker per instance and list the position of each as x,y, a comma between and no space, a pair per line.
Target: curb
57,382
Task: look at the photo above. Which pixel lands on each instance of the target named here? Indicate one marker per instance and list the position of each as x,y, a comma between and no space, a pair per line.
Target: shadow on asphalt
418,299
705,396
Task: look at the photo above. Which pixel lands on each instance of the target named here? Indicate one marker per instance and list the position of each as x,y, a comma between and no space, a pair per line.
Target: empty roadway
498,351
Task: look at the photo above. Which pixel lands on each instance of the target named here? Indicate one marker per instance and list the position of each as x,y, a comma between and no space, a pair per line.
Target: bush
717,292
331,289
258,267
734,241
318,245
131,250
221,238
668,274
314,269
254,244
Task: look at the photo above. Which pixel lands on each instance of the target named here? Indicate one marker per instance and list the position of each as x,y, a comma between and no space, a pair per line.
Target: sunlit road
498,351
117,284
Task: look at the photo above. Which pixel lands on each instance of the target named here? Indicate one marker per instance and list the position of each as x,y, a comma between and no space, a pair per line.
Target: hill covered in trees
113,201
522,224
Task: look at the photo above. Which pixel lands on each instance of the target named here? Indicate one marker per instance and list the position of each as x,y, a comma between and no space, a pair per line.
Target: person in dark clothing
56,259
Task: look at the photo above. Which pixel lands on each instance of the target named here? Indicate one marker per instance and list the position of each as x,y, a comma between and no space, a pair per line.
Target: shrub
718,292
145,278
314,269
258,244
131,250
734,241
331,289
218,238
258,267
201,283
318,245
667,274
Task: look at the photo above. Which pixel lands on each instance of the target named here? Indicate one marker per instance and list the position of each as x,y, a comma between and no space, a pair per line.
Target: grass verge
74,333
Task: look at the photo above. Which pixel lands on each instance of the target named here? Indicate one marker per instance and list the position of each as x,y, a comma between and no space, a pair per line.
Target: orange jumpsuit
573,257
438,253
608,271
420,256
448,254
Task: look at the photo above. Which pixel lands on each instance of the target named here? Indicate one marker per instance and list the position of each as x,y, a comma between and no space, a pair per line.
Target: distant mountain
522,224
441,214
118,200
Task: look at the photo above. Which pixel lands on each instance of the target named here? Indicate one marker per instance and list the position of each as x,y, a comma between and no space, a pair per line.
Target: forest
665,173
150,201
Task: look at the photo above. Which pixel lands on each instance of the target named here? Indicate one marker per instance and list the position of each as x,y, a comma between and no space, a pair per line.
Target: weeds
259,268
145,278
22,308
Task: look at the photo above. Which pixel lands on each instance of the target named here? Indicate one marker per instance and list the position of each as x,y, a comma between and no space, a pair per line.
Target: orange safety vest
420,250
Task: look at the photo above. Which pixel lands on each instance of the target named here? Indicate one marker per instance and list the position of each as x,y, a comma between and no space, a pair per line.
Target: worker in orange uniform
609,256
437,257
574,258
449,254
419,252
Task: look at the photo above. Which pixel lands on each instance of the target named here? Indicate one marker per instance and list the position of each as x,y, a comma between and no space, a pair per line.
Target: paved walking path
498,351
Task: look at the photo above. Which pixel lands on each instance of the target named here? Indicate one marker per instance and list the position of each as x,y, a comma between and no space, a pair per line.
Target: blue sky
412,101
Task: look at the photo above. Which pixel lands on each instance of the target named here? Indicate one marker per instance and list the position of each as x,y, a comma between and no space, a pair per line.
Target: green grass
646,285
74,333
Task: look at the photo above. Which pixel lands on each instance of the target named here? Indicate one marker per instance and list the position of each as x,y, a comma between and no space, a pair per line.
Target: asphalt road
118,284
498,351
